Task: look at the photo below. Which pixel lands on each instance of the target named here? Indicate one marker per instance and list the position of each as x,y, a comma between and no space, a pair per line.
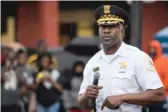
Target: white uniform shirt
129,70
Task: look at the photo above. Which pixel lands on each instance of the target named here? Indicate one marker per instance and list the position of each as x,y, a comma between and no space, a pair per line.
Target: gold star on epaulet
149,63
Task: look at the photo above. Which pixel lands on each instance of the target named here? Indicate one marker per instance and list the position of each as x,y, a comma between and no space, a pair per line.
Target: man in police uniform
128,79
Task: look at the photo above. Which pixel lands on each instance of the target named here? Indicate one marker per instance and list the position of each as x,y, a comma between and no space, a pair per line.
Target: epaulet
132,48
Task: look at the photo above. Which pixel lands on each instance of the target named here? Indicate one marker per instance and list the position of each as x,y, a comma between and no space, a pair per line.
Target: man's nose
106,30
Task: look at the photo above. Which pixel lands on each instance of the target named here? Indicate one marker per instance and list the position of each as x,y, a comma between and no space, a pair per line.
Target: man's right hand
92,91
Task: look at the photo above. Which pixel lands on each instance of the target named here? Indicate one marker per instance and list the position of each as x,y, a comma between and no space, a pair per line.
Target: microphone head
96,75
96,78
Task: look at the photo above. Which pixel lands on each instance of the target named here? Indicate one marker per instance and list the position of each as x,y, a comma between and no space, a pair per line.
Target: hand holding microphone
111,102
93,90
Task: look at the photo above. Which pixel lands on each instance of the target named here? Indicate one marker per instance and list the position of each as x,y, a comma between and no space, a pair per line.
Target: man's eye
109,26
113,26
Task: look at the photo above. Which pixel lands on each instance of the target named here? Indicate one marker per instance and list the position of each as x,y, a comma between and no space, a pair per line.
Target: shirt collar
119,52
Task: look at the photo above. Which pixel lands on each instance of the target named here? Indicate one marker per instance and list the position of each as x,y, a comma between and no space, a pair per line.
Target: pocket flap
125,75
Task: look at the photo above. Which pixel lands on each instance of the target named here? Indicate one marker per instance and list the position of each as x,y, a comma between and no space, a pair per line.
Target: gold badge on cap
106,9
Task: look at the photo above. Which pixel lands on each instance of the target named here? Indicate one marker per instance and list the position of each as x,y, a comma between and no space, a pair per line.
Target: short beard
114,42
107,48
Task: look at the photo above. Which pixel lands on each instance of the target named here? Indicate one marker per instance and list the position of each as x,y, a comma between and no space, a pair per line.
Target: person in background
25,74
4,53
48,90
65,79
71,80
76,80
161,65
10,56
41,48
10,89
160,62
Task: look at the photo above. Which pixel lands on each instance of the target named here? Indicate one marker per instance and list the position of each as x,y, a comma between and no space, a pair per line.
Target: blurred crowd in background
27,79
47,78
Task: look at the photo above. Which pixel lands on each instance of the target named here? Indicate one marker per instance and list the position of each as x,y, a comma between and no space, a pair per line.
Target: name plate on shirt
122,71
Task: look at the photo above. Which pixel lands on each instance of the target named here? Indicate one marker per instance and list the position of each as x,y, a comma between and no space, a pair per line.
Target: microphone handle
95,82
93,100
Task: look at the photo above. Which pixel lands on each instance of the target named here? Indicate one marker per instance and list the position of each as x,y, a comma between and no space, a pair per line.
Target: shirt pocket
121,81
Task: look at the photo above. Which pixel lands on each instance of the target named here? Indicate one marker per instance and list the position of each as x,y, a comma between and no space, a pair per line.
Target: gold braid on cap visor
109,19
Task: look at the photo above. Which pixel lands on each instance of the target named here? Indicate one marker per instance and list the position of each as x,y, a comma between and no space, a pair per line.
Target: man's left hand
112,102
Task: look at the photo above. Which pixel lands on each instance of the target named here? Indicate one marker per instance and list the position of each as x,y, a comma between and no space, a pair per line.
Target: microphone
96,78
95,82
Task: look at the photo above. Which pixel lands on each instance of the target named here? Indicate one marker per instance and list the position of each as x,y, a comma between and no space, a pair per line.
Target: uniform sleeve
86,79
146,74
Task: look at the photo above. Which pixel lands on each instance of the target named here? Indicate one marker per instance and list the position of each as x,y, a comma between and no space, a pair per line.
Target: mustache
110,37
106,36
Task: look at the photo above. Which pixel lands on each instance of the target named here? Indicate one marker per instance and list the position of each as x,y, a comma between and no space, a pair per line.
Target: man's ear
122,30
